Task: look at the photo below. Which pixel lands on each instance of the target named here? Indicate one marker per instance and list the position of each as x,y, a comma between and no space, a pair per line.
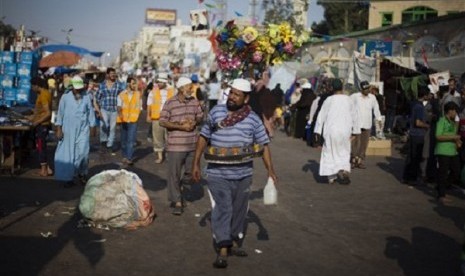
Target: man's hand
196,175
59,134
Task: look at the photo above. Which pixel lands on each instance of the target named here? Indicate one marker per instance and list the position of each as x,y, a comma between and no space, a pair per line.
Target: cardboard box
24,70
379,148
26,57
7,57
7,81
9,94
23,95
9,69
24,82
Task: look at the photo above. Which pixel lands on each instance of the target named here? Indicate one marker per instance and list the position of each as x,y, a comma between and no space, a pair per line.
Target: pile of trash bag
116,198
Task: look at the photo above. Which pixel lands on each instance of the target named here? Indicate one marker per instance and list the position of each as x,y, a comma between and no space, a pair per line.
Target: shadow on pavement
394,166
428,253
313,167
27,200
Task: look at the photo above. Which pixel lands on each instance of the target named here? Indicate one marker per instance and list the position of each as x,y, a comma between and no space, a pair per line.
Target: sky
103,25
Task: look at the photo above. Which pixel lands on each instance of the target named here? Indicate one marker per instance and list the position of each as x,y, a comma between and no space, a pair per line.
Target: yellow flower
249,34
277,60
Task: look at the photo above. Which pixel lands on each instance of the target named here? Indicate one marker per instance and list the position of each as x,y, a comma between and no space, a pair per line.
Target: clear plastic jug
270,194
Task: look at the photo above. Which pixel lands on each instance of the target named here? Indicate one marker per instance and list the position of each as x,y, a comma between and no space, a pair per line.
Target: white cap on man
162,77
183,81
242,85
77,82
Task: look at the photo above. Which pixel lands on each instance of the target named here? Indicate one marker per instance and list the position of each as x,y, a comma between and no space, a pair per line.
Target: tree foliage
278,11
345,17
6,29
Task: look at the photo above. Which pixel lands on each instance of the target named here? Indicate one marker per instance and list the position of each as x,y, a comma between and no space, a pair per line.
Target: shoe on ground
177,210
220,262
238,252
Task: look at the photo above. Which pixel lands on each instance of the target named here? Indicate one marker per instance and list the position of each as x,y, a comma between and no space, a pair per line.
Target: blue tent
70,48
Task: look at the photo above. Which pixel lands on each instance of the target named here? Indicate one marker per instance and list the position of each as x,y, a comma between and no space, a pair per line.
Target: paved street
375,226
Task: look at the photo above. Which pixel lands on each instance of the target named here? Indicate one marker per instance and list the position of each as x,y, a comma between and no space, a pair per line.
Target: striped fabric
176,111
244,133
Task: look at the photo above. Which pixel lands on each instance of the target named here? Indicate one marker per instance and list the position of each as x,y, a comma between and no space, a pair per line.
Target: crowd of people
231,122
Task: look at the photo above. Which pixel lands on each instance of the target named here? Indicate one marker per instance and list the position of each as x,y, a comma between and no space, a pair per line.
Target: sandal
220,262
238,252
177,210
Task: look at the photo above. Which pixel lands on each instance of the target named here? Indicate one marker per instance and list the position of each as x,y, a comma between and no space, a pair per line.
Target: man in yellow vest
155,101
129,105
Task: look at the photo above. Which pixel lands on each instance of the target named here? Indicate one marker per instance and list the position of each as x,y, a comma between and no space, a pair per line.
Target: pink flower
289,48
257,57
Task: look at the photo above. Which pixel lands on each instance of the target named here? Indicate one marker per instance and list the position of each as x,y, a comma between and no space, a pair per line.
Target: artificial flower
249,34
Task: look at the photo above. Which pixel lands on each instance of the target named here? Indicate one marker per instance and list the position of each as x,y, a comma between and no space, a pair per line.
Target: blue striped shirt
107,97
245,133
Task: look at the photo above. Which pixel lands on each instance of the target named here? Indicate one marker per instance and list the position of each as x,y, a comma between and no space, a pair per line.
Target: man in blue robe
75,118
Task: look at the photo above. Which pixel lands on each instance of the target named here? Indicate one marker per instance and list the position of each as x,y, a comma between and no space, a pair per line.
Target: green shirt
446,127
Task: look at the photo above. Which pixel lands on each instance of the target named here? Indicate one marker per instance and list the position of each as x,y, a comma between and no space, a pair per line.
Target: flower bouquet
240,50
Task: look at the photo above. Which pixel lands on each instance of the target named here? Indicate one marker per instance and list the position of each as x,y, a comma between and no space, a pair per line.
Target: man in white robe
337,123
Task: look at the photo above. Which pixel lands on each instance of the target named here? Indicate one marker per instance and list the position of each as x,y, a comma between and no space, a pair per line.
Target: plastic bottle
270,194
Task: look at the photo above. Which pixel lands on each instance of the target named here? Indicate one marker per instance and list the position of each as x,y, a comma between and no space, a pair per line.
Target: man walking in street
418,129
106,108
337,122
129,106
235,135
75,118
366,104
180,116
155,102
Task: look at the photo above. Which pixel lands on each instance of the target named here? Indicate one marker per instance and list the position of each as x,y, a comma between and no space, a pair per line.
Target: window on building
386,19
418,13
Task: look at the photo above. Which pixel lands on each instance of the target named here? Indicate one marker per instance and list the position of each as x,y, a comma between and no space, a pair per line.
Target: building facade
384,13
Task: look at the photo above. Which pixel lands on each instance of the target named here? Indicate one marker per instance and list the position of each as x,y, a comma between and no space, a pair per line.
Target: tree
345,16
278,11
6,30
320,29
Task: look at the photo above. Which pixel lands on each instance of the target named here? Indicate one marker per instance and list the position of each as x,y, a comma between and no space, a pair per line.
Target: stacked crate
15,77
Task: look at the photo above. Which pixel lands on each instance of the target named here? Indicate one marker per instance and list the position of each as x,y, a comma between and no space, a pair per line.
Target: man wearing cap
155,102
75,118
337,122
366,104
231,137
180,115
106,108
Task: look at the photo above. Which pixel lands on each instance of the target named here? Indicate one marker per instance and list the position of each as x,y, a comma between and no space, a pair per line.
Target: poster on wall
439,79
199,21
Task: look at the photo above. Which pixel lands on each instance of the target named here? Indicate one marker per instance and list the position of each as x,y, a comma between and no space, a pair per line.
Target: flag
212,39
200,1
425,58
238,13
209,6
219,23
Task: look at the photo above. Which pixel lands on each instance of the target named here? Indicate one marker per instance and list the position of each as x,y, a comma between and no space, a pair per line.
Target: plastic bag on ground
116,198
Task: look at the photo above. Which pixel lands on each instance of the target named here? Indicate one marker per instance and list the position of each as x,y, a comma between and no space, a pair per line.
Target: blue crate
26,57
24,70
23,95
24,81
7,81
7,57
9,69
9,94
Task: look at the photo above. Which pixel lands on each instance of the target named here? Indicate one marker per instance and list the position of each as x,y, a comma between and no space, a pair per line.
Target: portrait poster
439,79
199,21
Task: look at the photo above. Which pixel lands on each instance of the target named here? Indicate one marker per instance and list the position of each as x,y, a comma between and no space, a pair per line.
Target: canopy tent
69,48
60,58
